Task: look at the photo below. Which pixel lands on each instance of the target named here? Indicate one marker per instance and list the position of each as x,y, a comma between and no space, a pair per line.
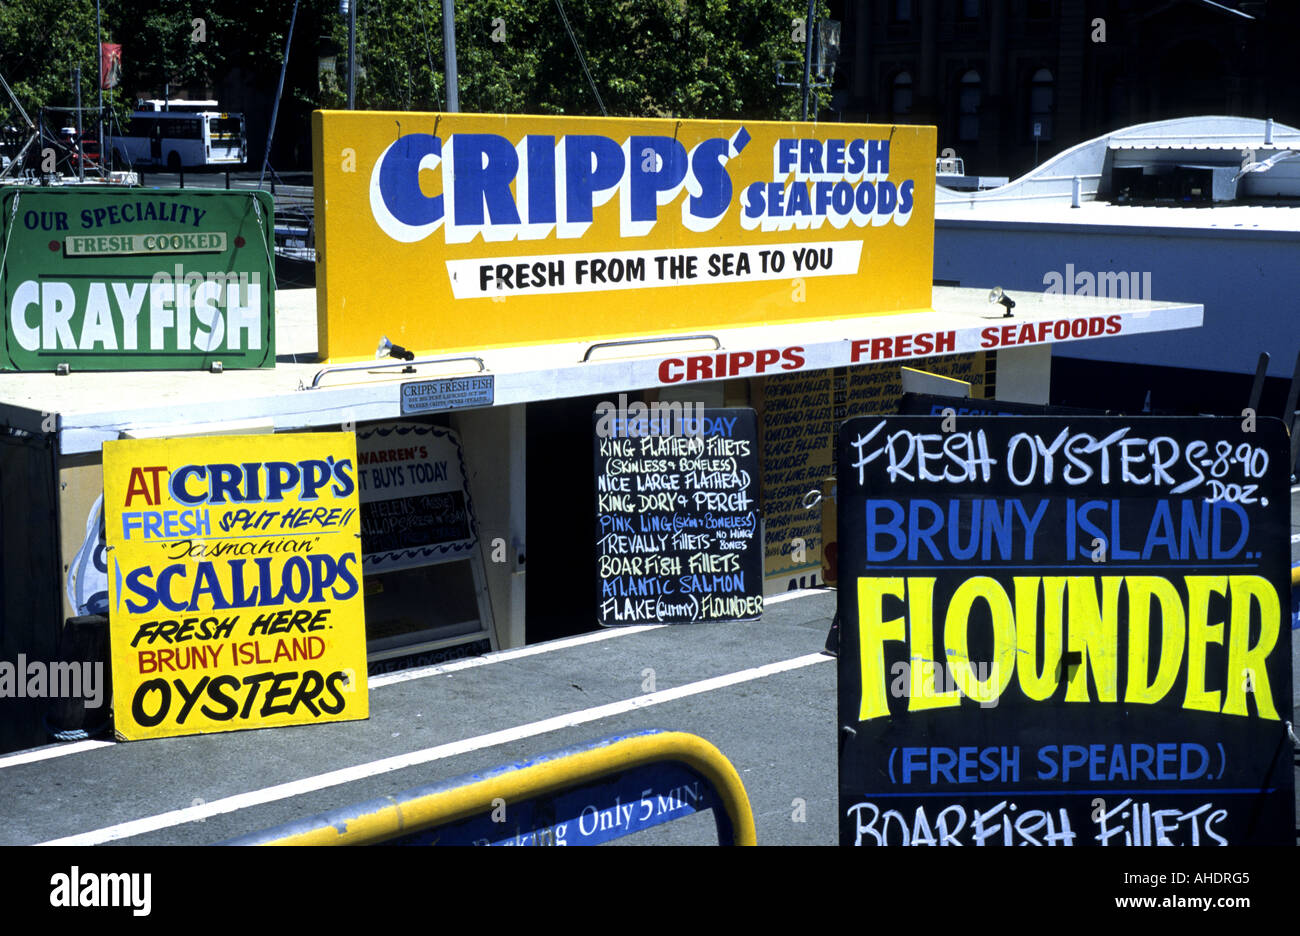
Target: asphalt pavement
761,692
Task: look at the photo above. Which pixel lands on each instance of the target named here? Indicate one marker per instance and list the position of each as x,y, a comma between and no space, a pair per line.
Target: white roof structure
1260,218
1263,149
299,393
1202,209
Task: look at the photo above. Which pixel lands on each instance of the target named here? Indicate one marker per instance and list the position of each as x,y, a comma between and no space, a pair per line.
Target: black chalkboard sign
412,522
1064,631
677,515
415,506
931,404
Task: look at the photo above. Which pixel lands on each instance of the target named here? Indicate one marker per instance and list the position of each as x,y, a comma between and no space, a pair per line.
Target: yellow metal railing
424,809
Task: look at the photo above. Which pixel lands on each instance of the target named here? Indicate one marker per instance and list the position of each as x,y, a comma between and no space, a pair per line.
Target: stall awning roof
97,407
1253,144
1271,221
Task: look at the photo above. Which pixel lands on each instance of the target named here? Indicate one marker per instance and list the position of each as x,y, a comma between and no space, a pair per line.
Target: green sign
136,279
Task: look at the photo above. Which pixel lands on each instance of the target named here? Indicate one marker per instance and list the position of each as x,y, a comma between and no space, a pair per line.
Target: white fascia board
962,321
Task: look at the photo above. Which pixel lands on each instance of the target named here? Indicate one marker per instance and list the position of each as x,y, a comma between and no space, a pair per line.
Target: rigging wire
574,39
392,77
428,54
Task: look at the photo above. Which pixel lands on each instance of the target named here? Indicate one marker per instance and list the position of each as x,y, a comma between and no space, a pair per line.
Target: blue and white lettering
546,185
404,212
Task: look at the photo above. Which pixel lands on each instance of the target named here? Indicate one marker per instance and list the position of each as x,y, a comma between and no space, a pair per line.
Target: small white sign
447,393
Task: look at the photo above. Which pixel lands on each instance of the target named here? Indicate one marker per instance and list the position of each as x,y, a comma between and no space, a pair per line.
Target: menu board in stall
799,415
798,435
677,518
1064,631
415,508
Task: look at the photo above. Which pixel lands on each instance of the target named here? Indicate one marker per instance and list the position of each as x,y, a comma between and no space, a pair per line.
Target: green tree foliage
41,41
188,45
647,58
181,44
193,45
663,58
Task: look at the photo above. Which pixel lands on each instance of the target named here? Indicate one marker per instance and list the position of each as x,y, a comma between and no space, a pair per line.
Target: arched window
902,94
1042,99
968,102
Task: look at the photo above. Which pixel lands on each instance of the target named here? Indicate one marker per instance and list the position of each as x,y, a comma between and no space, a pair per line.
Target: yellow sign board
234,583
464,231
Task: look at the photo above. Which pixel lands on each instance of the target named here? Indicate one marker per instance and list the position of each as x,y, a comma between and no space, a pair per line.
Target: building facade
988,72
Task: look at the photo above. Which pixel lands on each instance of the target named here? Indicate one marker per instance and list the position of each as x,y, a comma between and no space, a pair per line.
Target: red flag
110,64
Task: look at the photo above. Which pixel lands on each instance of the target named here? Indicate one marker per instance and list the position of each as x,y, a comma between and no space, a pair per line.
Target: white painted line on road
414,758
388,679
1295,537
45,753
799,593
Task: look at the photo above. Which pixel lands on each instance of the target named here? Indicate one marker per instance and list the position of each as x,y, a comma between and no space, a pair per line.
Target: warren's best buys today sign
234,583
456,231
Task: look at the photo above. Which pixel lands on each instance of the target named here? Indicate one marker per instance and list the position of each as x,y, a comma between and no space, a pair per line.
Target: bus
182,135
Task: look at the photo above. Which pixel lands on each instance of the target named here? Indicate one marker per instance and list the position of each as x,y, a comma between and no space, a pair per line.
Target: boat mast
22,153
99,59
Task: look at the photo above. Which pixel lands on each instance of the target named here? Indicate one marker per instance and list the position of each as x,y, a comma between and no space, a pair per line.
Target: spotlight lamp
388,349
996,297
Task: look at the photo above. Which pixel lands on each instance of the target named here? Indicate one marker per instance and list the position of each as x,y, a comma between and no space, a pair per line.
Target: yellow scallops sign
463,231
234,583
